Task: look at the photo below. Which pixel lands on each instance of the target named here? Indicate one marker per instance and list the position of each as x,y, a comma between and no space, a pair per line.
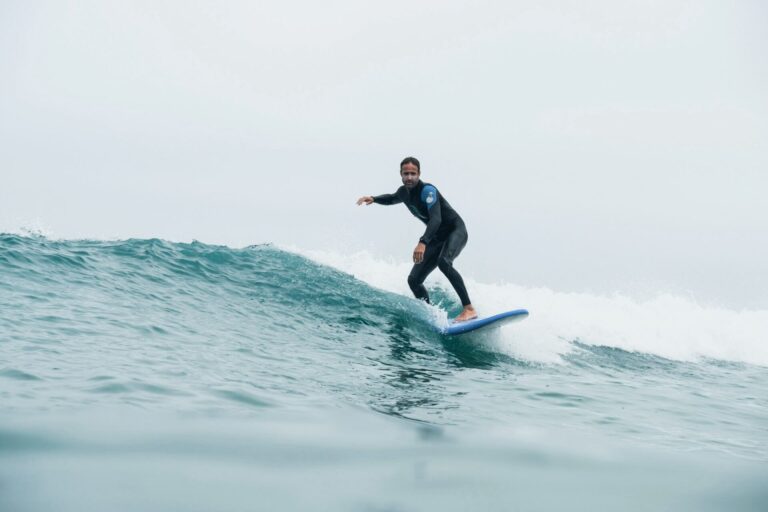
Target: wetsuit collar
417,188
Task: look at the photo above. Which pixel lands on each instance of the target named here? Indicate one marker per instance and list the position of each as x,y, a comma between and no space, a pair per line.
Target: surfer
443,240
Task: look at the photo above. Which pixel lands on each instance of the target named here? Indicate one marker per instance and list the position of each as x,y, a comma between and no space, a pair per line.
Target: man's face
410,175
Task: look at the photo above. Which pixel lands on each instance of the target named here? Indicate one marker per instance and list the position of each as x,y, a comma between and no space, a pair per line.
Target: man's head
410,171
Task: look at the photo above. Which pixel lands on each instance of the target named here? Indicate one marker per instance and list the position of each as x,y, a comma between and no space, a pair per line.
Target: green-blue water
149,375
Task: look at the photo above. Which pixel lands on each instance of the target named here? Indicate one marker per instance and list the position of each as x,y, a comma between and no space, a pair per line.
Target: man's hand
418,252
365,200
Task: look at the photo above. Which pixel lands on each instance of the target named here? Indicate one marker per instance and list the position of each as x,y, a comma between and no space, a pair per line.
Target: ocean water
150,375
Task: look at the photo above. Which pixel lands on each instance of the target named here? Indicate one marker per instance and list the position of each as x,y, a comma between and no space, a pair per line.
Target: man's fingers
418,254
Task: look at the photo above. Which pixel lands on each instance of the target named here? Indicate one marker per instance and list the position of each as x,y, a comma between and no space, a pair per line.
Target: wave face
664,325
334,344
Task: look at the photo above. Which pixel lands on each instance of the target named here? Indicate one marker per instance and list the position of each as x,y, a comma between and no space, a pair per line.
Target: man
443,240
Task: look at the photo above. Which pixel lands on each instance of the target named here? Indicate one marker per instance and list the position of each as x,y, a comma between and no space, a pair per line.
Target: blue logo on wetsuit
429,196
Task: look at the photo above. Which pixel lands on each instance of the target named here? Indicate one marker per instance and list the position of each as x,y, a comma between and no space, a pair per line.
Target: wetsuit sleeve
432,200
388,199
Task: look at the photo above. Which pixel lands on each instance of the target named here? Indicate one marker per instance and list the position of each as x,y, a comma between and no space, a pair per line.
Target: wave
159,289
664,325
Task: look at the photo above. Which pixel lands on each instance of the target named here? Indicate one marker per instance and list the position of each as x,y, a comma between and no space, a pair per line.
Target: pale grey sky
589,145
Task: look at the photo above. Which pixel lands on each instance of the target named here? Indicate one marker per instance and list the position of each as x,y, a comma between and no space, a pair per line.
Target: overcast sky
588,145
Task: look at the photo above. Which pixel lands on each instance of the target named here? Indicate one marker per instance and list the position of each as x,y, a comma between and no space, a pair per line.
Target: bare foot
468,313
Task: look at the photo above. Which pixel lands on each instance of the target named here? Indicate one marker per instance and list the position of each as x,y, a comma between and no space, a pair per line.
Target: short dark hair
410,160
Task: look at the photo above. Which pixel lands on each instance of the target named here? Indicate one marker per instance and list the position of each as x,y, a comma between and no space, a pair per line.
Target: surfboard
485,323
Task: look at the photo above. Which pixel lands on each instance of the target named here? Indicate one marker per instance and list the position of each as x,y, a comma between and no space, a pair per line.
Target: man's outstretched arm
385,199
365,200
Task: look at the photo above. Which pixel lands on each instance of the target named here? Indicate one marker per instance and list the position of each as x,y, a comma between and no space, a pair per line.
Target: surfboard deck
485,322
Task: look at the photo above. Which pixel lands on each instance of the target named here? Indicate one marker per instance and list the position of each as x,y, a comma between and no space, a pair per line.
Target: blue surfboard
484,323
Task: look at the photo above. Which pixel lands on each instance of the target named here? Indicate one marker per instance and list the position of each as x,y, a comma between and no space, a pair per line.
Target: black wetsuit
445,236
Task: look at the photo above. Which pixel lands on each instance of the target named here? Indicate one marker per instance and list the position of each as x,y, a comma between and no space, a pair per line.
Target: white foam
665,325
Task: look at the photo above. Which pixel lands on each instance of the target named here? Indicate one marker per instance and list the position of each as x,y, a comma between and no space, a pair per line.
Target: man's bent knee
445,265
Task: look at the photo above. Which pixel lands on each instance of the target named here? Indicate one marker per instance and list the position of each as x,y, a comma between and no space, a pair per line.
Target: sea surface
146,375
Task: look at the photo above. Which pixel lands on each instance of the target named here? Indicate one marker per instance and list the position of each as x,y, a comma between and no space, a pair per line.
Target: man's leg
451,249
420,271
